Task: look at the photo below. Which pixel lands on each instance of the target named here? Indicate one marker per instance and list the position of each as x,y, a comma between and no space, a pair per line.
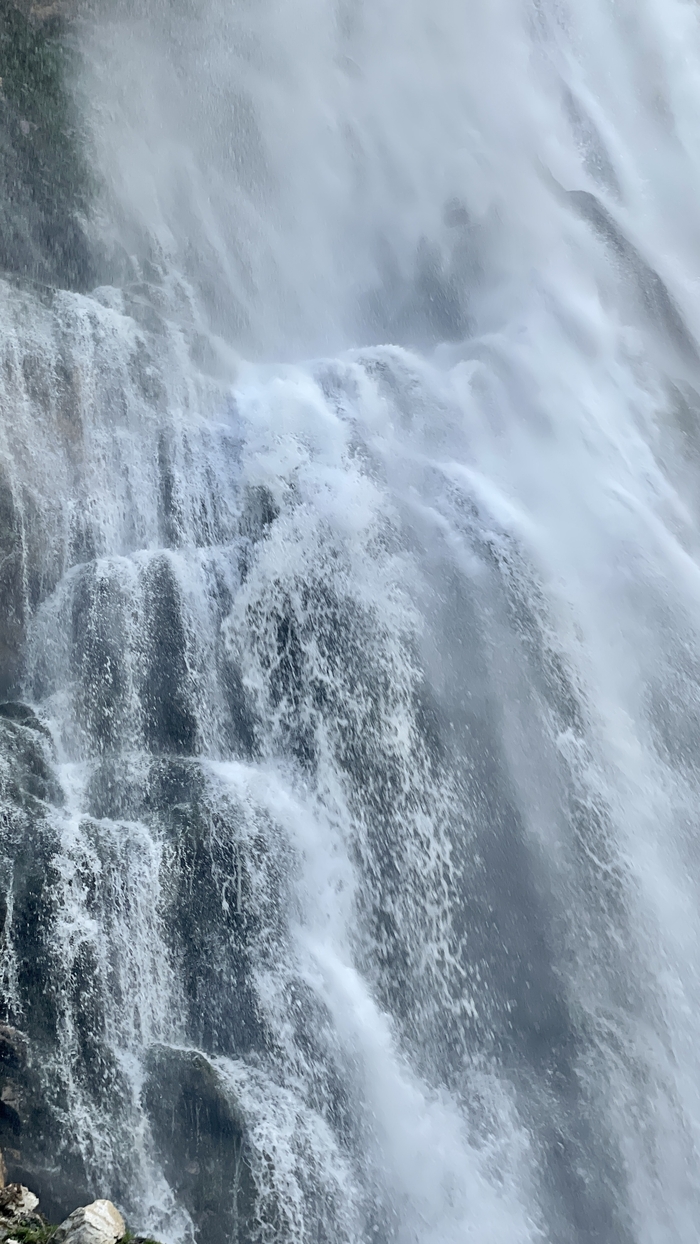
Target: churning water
352,545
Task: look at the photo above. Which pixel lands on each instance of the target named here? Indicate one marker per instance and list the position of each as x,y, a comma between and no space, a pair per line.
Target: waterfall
350,626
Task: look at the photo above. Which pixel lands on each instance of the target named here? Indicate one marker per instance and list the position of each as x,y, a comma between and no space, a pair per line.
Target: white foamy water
359,549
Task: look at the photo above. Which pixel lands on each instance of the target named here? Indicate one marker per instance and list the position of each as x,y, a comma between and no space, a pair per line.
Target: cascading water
350,624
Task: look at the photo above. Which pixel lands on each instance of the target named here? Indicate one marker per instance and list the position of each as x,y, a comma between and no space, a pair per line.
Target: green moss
43,1234
33,1235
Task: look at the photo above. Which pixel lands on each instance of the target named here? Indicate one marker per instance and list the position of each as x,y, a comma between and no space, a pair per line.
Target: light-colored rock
16,1202
99,1223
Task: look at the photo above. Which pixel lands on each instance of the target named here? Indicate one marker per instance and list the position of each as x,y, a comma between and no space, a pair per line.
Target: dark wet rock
98,647
13,611
13,710
13,1051
201,1136
45,184
170,721
39,1152
13,1083
212,926
26,774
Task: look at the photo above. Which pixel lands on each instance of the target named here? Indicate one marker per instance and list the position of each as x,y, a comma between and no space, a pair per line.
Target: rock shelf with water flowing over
349,599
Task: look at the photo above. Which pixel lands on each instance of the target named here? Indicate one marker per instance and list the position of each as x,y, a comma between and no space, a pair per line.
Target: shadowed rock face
12,617
202,1140
199,1136
44,178
35,1154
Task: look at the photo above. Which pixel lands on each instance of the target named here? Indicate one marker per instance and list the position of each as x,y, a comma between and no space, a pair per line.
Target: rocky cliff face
45,246
150,858
44,178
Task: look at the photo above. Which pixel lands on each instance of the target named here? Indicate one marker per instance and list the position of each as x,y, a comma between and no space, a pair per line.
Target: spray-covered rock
44,176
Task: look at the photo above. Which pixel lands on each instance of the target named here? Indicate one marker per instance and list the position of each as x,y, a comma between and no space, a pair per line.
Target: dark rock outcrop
29,1101
201,1137
45,182
12,588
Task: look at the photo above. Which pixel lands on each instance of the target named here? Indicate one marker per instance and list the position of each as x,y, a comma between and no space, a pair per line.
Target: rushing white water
359,569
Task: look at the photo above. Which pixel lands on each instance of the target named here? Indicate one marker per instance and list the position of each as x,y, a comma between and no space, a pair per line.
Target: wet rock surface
13,615
44,179
31,1093
203,1141
200,1135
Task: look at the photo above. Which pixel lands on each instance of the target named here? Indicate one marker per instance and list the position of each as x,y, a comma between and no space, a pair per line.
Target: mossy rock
130,1238
43,1234
33,1234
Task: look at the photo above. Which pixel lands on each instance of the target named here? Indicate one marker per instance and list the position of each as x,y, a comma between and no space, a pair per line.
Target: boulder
202,1138
98,1223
